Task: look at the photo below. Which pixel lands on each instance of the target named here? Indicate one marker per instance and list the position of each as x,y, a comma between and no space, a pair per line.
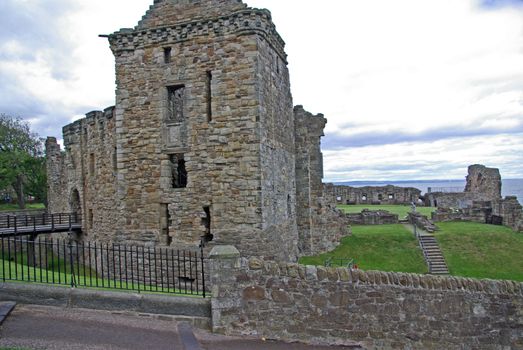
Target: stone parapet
372,309
247,21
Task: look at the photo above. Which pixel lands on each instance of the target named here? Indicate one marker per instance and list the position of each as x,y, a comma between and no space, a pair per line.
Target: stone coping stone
105,300
5,309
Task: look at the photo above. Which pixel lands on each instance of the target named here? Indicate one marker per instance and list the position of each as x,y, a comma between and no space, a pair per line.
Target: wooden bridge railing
16,223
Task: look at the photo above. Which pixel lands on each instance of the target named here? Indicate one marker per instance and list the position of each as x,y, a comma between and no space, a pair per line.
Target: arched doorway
74,203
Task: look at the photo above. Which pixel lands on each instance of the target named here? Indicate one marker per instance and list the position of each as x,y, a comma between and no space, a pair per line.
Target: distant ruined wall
511,212
373,194
485,181
320,224
478,211
483,184
481,201
452,199
372,217
376,310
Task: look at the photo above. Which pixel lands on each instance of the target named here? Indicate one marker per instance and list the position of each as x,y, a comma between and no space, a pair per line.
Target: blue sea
509,187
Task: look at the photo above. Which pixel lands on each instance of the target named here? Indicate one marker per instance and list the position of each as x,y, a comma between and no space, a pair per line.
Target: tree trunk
19,189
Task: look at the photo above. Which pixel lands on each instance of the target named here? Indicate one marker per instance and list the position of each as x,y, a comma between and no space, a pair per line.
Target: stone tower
201,142
204,111
484,181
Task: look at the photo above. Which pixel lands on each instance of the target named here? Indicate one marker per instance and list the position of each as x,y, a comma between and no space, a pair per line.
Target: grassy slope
13,207
401,210
481,251
382,247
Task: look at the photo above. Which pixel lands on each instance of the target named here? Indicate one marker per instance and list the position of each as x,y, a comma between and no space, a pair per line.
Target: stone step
433,255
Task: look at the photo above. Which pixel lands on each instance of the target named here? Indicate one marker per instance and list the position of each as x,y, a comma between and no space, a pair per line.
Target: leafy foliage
22,165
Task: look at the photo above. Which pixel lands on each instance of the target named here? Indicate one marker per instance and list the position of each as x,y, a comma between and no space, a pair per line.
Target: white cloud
410,75
442,159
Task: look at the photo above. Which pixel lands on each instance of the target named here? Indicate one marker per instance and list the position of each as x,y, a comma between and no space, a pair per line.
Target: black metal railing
103,265
43,222
444,189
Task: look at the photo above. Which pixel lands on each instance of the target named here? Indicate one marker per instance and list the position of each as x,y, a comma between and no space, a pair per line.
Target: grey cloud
35,25
495,4
336,141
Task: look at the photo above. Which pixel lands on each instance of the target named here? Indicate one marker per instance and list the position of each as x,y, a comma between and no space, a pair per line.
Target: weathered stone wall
373,194
452,199
479,211
377,310
372,217
422,222
483,184
511,211
481,201
486,181
320,224
83,178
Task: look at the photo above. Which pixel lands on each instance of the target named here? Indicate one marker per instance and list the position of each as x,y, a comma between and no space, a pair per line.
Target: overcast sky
412,89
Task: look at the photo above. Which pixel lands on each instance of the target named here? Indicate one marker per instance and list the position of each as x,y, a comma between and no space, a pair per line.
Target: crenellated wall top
244,21
76,127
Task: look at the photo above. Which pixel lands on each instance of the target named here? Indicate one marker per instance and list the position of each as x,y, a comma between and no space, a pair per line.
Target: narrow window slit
209,96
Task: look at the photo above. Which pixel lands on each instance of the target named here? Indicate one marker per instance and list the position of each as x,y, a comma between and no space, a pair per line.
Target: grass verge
481,251
14,207
21,273
401,210
378,247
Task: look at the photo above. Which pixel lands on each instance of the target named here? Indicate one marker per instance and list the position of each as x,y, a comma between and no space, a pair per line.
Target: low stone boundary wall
422,222
194,310
374,309
372,217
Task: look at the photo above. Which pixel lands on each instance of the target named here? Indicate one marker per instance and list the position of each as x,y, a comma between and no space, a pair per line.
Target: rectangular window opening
91,217
209,96
115,161
167,55
91,164
206,222
178,171
175,102
165,222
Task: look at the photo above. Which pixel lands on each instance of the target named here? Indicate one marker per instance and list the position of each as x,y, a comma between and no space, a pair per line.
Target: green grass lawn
481,251
13,206
401,210
378,247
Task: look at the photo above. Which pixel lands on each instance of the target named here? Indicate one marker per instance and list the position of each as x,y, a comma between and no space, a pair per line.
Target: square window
175,103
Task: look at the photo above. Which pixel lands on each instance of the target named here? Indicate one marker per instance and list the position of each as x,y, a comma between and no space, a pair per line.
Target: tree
22,164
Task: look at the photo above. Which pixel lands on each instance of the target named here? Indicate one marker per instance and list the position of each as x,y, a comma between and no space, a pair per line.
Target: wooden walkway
23,225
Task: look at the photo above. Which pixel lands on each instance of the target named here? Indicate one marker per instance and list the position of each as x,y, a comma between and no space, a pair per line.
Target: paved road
43,327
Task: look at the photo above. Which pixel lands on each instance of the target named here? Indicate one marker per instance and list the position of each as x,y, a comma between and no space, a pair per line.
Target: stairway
432,253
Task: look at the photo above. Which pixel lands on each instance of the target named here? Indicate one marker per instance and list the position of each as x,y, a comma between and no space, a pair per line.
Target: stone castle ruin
481,201
203,141
372,195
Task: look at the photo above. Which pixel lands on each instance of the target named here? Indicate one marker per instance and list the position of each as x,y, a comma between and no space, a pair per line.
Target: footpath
50,327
